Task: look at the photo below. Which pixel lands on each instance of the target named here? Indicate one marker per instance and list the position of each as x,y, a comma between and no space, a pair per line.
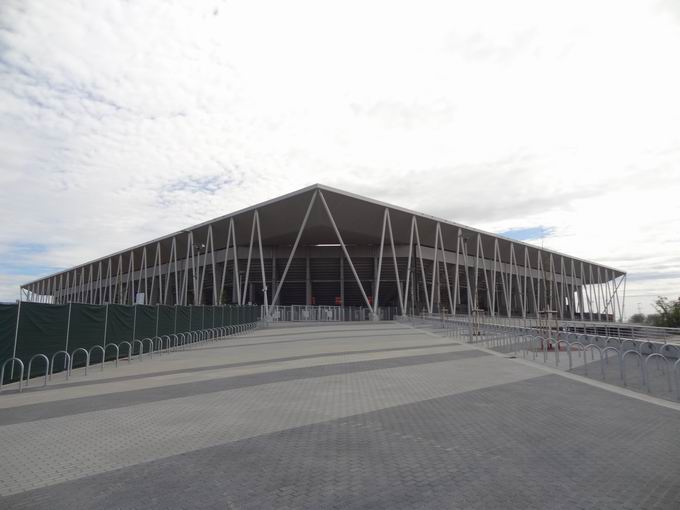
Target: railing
539,343
619,330
175,342
320,313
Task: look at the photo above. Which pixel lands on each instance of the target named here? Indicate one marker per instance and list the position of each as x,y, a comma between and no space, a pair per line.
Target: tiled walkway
364,415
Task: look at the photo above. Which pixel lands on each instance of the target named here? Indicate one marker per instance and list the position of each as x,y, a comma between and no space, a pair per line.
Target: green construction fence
47,328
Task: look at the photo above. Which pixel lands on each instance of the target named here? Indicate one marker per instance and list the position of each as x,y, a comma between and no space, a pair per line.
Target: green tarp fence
47,329
86,330
8,324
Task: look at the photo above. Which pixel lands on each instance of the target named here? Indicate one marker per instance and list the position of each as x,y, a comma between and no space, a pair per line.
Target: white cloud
121,121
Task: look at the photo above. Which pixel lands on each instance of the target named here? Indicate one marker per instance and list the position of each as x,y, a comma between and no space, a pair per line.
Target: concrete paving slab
336,416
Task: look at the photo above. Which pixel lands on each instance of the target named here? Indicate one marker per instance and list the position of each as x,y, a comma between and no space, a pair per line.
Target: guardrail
530,342
181,342
323,313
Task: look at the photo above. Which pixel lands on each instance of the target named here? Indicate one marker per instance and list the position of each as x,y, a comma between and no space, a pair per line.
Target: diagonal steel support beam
250,253
380,257
344,249
292,253
396,267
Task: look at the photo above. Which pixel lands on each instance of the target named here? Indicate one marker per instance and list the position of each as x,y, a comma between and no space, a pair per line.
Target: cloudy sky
552,120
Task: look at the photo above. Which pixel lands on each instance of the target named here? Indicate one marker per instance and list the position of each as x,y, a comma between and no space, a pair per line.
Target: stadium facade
324,246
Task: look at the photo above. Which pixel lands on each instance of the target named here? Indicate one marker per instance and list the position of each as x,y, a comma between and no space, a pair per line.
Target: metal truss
453,273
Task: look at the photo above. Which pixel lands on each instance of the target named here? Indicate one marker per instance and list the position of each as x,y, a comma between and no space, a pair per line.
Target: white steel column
467,273
408,267
456,288
264,279
380,257
396,267
435,269
250,252
422,267
231,238
446,269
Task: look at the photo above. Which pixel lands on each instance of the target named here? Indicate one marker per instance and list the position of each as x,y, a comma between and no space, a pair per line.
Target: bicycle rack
150,348
593,347
623,366
648,345
557,349
73,357
668,373
28,370
89,354
67,362
21,373
129,345
615,341
668,347
158,345
117,351
141,347
606,357
633,342
582,351
167,345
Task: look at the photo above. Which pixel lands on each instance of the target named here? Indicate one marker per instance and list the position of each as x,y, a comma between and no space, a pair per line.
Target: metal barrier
646,370
73,357
28,370
141,347
157,344
530,342
592,348
129,346
150,348
67,362
21,374
115,347
103,353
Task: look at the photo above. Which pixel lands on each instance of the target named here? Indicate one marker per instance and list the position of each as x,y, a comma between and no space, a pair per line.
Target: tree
669,312
637,318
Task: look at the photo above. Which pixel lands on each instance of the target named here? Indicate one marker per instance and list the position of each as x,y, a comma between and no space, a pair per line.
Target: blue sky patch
528,234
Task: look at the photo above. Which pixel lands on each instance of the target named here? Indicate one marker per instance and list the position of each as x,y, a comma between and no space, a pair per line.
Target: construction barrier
29,329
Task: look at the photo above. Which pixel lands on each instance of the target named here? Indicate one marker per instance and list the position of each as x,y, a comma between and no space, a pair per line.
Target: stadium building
326,247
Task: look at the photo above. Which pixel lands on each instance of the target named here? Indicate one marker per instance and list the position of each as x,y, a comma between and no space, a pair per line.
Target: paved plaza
345,415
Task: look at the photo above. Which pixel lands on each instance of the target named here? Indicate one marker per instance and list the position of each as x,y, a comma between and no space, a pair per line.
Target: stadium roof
360,220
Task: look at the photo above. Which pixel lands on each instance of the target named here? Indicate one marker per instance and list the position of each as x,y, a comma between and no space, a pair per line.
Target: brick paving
395,418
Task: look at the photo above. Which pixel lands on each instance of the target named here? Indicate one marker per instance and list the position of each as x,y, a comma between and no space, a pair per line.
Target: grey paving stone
546,442
69,407
89,382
